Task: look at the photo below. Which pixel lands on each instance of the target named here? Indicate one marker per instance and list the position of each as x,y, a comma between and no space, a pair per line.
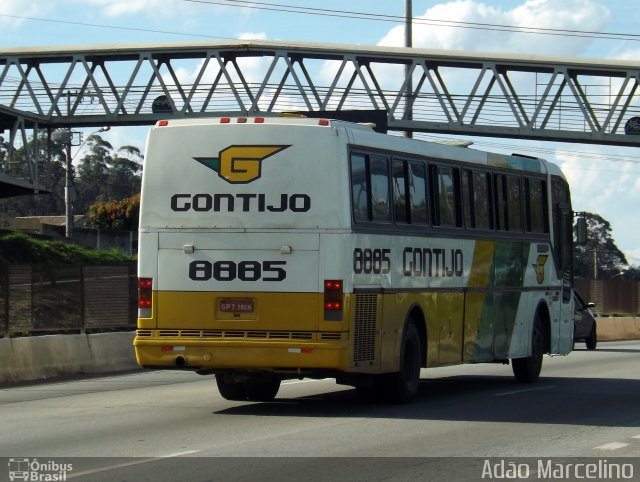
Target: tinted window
536,206
359,188
445,197
399,182
477,196
514,208
418,193
379,189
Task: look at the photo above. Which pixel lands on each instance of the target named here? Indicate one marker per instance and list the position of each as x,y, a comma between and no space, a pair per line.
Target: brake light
225,120
333,300
323,122
145,293
163,123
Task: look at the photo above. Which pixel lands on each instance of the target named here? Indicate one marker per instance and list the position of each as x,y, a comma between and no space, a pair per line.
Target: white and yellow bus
274,248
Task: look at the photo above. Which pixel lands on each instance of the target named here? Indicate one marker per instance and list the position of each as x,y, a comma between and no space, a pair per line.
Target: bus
273,248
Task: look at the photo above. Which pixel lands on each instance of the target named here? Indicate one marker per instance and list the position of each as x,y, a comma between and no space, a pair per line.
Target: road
166,425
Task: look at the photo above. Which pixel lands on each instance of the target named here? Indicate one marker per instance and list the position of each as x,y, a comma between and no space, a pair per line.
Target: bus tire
230,390
262,390
527,369
402,386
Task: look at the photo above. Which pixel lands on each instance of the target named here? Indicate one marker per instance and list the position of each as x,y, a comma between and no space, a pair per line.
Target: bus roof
364,135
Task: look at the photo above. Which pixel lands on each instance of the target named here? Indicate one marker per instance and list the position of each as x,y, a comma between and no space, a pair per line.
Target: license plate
236,306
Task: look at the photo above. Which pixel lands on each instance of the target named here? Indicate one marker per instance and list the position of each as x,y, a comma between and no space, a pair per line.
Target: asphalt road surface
468,422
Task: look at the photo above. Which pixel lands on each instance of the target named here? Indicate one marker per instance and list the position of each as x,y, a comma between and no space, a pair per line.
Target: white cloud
547,14
115,8
20,8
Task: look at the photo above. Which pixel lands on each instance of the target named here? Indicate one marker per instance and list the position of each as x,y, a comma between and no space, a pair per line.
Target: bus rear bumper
212,355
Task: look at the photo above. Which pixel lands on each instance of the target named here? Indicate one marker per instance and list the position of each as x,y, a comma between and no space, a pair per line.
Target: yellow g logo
240,164
539,267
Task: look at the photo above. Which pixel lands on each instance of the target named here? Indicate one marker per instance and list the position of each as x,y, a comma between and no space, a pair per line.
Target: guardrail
45,299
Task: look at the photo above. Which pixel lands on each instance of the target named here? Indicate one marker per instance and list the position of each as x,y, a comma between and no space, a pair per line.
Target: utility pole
408,42
68,184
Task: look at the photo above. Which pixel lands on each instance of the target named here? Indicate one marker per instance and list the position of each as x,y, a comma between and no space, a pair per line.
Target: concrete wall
618,328
55,356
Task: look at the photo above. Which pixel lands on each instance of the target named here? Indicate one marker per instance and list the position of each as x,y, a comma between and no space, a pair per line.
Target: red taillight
242,120
259,120
163,123
323,122
333,300
145,292
225,120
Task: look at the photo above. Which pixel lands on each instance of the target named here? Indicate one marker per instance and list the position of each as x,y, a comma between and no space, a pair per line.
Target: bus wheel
527,370
402,386
263,390
230,390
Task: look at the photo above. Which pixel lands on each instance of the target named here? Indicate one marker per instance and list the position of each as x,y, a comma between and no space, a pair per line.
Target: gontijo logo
240,164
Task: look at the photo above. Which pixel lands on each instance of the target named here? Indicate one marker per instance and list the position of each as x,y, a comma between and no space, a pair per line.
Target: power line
350,15
116,27
416,20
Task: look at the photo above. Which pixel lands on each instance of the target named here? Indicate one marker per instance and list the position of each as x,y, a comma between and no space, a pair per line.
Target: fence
612,296
37,299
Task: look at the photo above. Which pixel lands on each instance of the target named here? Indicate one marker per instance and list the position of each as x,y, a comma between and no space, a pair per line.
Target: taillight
145,293
333,300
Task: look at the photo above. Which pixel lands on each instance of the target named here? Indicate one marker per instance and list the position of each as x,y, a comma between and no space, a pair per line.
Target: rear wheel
256,388
527,370
262,390
402,386
592,340
230,390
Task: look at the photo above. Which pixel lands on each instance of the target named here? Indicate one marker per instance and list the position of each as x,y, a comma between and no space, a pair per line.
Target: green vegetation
114,215
22,248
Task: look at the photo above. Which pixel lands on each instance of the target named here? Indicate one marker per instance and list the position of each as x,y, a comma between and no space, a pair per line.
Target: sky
603,179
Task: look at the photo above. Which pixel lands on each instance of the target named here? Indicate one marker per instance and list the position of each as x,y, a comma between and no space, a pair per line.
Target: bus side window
400,205
514,204
360,188
418,193
476,186
446,206
536,206
380,209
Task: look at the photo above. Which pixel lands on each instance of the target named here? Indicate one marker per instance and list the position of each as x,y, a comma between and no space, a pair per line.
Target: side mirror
581,231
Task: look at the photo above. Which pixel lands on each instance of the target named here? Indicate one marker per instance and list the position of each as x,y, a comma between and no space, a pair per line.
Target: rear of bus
241,224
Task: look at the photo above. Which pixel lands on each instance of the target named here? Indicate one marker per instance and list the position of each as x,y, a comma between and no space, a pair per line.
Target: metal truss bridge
518,96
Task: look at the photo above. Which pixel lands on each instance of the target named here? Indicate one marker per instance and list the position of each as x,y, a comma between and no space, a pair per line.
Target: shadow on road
573,401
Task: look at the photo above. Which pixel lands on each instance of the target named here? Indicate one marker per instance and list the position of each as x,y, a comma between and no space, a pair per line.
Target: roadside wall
612,328
55,356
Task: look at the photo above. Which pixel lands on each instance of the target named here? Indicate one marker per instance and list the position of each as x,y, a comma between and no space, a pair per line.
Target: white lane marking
73,475
611,446
636,436
524,390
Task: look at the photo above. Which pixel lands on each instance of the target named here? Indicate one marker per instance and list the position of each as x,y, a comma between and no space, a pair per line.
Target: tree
51,178
600,250
104,175
114,215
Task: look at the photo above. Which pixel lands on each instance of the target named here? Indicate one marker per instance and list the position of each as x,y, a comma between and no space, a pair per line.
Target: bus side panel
478,318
